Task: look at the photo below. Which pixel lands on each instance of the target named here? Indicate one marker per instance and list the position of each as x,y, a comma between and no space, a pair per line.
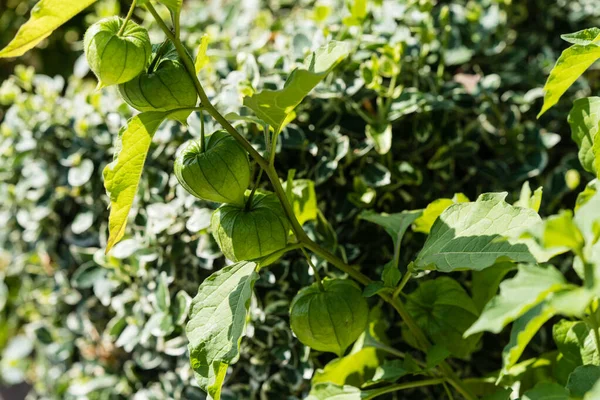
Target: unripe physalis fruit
220,172
251,231
330,318
166,85
116,58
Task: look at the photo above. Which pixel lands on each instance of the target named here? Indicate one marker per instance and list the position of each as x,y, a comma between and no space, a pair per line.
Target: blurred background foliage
437,98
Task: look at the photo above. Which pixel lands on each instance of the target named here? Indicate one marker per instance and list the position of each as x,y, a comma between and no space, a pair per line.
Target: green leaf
122,176
582,380
570,65
173,5
587,219
303,199
353,369
217,323
276,106
594,393
523,330
529,287
546,391
435,355
381,137
358,12
576,346
561,231
46,16
395,225
583,37
330,391
443,309
485,283
502,394
584,120
201,57
391,371
434,210
475,235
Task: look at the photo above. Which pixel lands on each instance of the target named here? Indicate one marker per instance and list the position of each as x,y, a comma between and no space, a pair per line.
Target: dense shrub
436,98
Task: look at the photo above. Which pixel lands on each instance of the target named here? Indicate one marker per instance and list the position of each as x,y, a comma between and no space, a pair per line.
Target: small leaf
528,199
303,199
570,65
381,137
373,288
475,235
201,57
276,106
434,210
122,176
523,330
584,120
529,287
444,310
575,342
173,5
395,225
46,16
353,369
582,380
217,323
583,37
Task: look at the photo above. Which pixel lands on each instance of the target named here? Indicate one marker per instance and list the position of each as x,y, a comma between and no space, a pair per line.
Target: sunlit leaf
276,106
46,16
584,120
122,176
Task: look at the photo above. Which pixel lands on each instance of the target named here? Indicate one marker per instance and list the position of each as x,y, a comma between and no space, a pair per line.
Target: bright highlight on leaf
570,65
121,177
217,323
276,106
584,120
475,235
201,57
46,16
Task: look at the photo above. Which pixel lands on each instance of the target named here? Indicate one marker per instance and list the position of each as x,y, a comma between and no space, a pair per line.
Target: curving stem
301,236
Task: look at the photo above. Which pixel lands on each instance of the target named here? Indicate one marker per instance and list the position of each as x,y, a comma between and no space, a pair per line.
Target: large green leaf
582,380
523,330
529,287
569,66
484,284
46,16
475,235
583,37
444,310
575,342
217,323
276,106
122,176
584,119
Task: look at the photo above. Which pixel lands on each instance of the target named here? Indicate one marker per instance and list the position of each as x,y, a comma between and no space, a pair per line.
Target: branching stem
301,236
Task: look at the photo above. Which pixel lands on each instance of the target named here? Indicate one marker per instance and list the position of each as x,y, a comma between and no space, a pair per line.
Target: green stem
301,236
402,283
202,136
127,18
314,268
256,182
371,394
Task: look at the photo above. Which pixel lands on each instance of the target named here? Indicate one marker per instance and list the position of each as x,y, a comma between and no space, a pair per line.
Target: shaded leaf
546,391
582,380
584,120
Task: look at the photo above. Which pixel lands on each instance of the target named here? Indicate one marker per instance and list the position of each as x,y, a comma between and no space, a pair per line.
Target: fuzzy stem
202,136
127,18
256,182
